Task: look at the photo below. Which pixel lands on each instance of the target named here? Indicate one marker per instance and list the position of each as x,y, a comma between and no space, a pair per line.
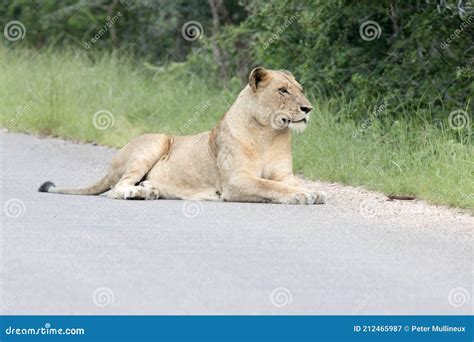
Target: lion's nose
306,109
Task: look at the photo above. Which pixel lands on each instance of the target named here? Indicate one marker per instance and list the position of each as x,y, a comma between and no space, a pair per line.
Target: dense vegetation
392,81
409,54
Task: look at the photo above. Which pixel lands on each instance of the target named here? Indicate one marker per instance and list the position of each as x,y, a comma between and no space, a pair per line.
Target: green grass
58,93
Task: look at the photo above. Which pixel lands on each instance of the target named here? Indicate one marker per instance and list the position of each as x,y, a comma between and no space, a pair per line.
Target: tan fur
246,157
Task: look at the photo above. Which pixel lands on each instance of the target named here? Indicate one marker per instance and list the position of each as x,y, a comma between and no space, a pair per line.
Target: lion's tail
101,186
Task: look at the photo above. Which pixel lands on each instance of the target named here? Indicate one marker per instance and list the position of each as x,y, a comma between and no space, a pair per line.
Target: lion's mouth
304,120
288,121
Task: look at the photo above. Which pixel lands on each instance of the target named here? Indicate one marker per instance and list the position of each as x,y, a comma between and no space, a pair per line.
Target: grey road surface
65,254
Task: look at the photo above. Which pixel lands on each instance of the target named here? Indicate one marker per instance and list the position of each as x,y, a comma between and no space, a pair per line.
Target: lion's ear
258,77
287,72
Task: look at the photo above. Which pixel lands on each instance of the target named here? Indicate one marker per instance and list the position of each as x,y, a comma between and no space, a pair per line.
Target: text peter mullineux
408,328
46,330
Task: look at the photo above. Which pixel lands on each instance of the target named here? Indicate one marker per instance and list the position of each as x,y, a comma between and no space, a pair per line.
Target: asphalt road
65,254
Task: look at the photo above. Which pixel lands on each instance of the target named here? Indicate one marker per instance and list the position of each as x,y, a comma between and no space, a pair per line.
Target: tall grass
59,93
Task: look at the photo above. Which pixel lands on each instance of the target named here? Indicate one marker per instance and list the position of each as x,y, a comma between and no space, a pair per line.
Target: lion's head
279,100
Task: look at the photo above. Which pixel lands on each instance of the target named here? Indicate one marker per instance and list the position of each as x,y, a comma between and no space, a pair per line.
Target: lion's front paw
298,198
321,197
135,192
305,197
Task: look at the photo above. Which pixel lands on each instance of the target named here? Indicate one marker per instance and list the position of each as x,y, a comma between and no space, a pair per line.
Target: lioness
246,157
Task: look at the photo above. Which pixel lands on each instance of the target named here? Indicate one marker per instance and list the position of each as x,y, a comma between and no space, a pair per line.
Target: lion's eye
283,91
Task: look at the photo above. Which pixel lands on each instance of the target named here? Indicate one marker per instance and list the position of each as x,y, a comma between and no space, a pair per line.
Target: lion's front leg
245,188
306,186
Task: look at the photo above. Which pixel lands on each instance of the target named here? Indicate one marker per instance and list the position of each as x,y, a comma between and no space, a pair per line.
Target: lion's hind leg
141,160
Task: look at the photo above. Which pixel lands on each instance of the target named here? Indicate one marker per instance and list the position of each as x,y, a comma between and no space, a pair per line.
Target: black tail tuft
45,187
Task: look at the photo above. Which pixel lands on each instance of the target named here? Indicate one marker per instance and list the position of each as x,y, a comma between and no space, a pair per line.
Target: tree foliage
415,55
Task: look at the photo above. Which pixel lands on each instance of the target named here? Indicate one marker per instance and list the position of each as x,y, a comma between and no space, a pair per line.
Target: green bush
407,61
